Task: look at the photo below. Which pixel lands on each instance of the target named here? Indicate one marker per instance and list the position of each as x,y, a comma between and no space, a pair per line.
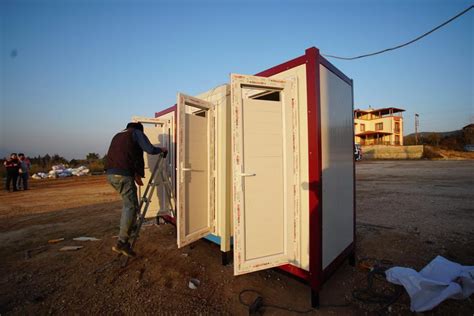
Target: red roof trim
282,67
166,111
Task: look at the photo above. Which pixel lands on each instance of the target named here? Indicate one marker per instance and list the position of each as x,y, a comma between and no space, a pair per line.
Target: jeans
12,177
125,185
23,181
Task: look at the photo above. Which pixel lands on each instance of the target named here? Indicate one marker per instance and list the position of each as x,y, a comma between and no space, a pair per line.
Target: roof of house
470,126
382,111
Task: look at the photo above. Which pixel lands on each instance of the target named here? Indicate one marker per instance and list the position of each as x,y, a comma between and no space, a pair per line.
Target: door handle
181,178
184,169
248,174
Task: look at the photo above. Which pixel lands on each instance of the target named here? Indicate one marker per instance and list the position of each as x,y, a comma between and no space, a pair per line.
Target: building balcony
373,138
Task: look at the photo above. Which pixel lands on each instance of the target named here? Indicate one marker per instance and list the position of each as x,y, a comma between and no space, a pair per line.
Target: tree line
454,141
48,160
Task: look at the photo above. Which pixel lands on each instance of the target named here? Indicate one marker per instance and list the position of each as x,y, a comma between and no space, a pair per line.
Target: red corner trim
314,160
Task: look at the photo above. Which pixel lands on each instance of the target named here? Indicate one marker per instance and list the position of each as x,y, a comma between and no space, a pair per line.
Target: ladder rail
146,199
150,182
166,181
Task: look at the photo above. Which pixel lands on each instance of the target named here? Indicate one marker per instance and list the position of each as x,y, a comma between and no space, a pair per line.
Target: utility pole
417,124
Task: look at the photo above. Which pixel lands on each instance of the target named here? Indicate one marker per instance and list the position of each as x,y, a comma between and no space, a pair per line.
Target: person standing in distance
12,165
25,166
125,166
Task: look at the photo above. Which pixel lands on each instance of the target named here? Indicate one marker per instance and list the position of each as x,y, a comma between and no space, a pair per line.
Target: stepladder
159,177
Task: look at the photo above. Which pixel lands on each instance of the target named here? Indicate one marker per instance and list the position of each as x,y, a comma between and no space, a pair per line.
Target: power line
405,44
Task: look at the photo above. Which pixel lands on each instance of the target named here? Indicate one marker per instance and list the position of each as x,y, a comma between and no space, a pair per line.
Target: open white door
157,130
265,172
195,169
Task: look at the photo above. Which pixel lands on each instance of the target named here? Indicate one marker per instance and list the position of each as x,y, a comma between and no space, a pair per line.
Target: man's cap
135,125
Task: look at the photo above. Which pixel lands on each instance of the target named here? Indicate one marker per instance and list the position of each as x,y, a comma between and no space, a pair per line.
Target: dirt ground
407,212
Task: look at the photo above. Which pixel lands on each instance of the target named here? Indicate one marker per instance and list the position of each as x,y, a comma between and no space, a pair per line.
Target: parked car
357,152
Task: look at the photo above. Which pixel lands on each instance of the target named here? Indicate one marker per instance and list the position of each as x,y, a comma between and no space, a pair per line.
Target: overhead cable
405,44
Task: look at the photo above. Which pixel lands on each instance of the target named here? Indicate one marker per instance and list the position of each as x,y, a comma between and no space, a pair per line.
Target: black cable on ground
368,295
369,263
371,295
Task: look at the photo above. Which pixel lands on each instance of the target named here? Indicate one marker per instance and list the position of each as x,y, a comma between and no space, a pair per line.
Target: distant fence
392,152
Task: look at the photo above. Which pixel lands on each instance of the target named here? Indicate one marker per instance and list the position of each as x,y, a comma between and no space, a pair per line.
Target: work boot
124,249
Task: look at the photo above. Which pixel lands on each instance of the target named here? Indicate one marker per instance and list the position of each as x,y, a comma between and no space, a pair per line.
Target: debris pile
30,252
61,171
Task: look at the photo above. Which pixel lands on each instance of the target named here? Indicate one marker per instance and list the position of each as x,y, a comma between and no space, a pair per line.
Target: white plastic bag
439,280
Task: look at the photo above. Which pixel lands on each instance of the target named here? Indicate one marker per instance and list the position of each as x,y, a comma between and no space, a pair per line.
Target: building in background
468,137
378,126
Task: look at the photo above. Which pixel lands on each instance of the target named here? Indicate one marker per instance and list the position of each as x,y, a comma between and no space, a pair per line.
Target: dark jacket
125,155
12,165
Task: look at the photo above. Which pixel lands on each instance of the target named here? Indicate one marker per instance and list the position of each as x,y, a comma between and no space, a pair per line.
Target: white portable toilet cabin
264,166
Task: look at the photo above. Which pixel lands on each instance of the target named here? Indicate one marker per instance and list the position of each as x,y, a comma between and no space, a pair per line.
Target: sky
73,73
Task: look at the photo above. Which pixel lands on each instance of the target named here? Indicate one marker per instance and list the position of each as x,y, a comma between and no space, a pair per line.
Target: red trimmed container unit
264,167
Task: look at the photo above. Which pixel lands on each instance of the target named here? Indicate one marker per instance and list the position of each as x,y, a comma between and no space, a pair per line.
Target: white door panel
195,172
264,175
263,156
156,130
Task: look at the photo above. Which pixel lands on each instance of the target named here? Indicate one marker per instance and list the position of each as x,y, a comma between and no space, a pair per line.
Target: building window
397,127
362,127
378,126
397,140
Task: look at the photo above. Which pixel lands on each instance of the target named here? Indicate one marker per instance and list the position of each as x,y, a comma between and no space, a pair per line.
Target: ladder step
165,213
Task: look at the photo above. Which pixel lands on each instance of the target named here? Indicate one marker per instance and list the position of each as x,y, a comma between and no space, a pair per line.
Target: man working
125,166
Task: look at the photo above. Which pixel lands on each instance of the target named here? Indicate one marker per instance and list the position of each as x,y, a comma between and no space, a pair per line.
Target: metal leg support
352,259
226,257
314,298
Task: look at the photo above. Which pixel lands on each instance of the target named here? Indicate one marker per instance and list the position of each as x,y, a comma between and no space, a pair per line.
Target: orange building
378,126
